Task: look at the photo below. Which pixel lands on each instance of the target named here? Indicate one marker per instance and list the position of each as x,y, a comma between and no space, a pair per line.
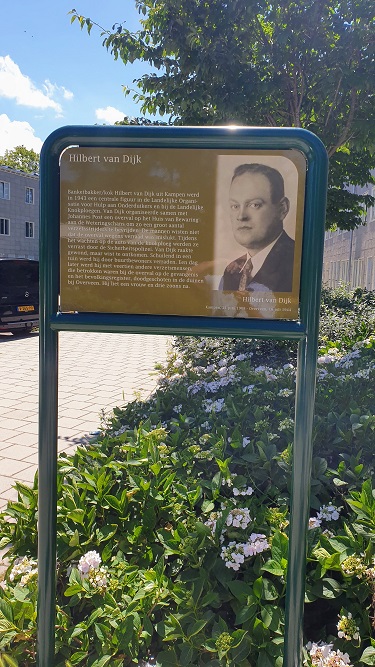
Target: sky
54,74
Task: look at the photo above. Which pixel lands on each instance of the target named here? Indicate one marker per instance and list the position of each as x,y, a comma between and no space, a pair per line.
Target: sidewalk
97,372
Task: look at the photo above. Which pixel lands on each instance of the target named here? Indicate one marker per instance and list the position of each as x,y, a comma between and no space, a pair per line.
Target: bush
173,527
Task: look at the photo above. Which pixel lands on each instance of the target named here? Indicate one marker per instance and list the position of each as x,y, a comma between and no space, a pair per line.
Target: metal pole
48,411
48,377
313,243
302,457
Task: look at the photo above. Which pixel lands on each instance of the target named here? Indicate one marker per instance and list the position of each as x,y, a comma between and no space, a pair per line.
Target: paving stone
17,452
11,467
97,372
28,474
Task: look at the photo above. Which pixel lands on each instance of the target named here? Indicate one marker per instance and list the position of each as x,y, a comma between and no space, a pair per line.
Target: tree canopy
21,158
296,63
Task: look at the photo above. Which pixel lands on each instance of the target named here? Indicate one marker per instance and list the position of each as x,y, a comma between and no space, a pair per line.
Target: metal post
312,253
48,409
47,494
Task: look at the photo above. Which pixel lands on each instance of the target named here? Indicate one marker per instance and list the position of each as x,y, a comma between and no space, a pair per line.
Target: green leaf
8,661
102,662
6,610
273,567
368,656
105,533
240,589
77,657
77,515
74,540
186,655
245,614
269,591
279,547
272,617
257,587
155,468
327,588
196,627
113,502
264,660
74,589
319,466
167,659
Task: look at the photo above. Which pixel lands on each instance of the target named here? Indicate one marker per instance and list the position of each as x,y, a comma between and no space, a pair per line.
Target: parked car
19,295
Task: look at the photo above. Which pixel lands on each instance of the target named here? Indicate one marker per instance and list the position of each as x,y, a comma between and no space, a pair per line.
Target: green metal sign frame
305,331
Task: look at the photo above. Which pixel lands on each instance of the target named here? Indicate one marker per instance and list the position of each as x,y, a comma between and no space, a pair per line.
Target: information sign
169,231
181,230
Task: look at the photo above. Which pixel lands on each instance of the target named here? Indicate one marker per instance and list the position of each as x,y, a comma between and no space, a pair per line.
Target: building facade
19,214
349,257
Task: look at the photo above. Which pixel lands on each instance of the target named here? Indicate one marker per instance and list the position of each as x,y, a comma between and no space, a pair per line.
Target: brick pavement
97,372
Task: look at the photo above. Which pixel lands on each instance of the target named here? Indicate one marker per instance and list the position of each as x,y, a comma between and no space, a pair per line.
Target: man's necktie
245,275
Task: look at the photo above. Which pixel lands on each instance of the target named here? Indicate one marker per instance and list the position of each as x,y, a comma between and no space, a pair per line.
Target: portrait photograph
255,223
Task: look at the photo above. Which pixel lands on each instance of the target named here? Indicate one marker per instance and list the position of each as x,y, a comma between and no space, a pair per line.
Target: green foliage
346,317
172,528
21,158
293,64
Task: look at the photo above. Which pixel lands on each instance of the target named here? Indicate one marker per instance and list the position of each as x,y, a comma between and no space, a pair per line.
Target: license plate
24,309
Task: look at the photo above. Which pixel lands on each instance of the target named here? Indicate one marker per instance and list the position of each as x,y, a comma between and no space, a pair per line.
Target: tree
21,158
139,120
297,63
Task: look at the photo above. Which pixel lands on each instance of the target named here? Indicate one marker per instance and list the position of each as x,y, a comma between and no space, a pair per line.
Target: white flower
322,655
245,492
89,561
314,522
98,578
347,628
235,553
329,512
288,367
214,406
239,518
285,392
24,567
245,442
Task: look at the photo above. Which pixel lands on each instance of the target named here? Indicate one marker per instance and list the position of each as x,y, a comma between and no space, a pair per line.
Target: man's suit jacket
276,273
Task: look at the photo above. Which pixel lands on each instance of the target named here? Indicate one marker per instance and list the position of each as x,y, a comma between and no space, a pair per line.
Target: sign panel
180,231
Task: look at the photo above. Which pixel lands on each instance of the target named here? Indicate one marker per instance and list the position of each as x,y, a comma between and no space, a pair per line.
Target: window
4,226
358,273
344,271
371,209
370,271
4,190
29,231
29,196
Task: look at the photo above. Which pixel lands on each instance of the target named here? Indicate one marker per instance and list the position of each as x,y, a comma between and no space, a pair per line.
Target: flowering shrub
172,539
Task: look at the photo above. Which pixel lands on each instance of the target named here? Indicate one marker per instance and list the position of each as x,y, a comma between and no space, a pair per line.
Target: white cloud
17,86
109,115
17,133
67,94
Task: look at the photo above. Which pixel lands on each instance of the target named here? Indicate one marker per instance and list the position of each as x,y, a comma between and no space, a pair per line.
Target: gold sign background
147,230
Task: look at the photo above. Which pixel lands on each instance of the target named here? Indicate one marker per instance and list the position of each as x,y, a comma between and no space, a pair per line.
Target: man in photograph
258,206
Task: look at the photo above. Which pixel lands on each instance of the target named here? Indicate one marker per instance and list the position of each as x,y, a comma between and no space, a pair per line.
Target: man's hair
274,177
